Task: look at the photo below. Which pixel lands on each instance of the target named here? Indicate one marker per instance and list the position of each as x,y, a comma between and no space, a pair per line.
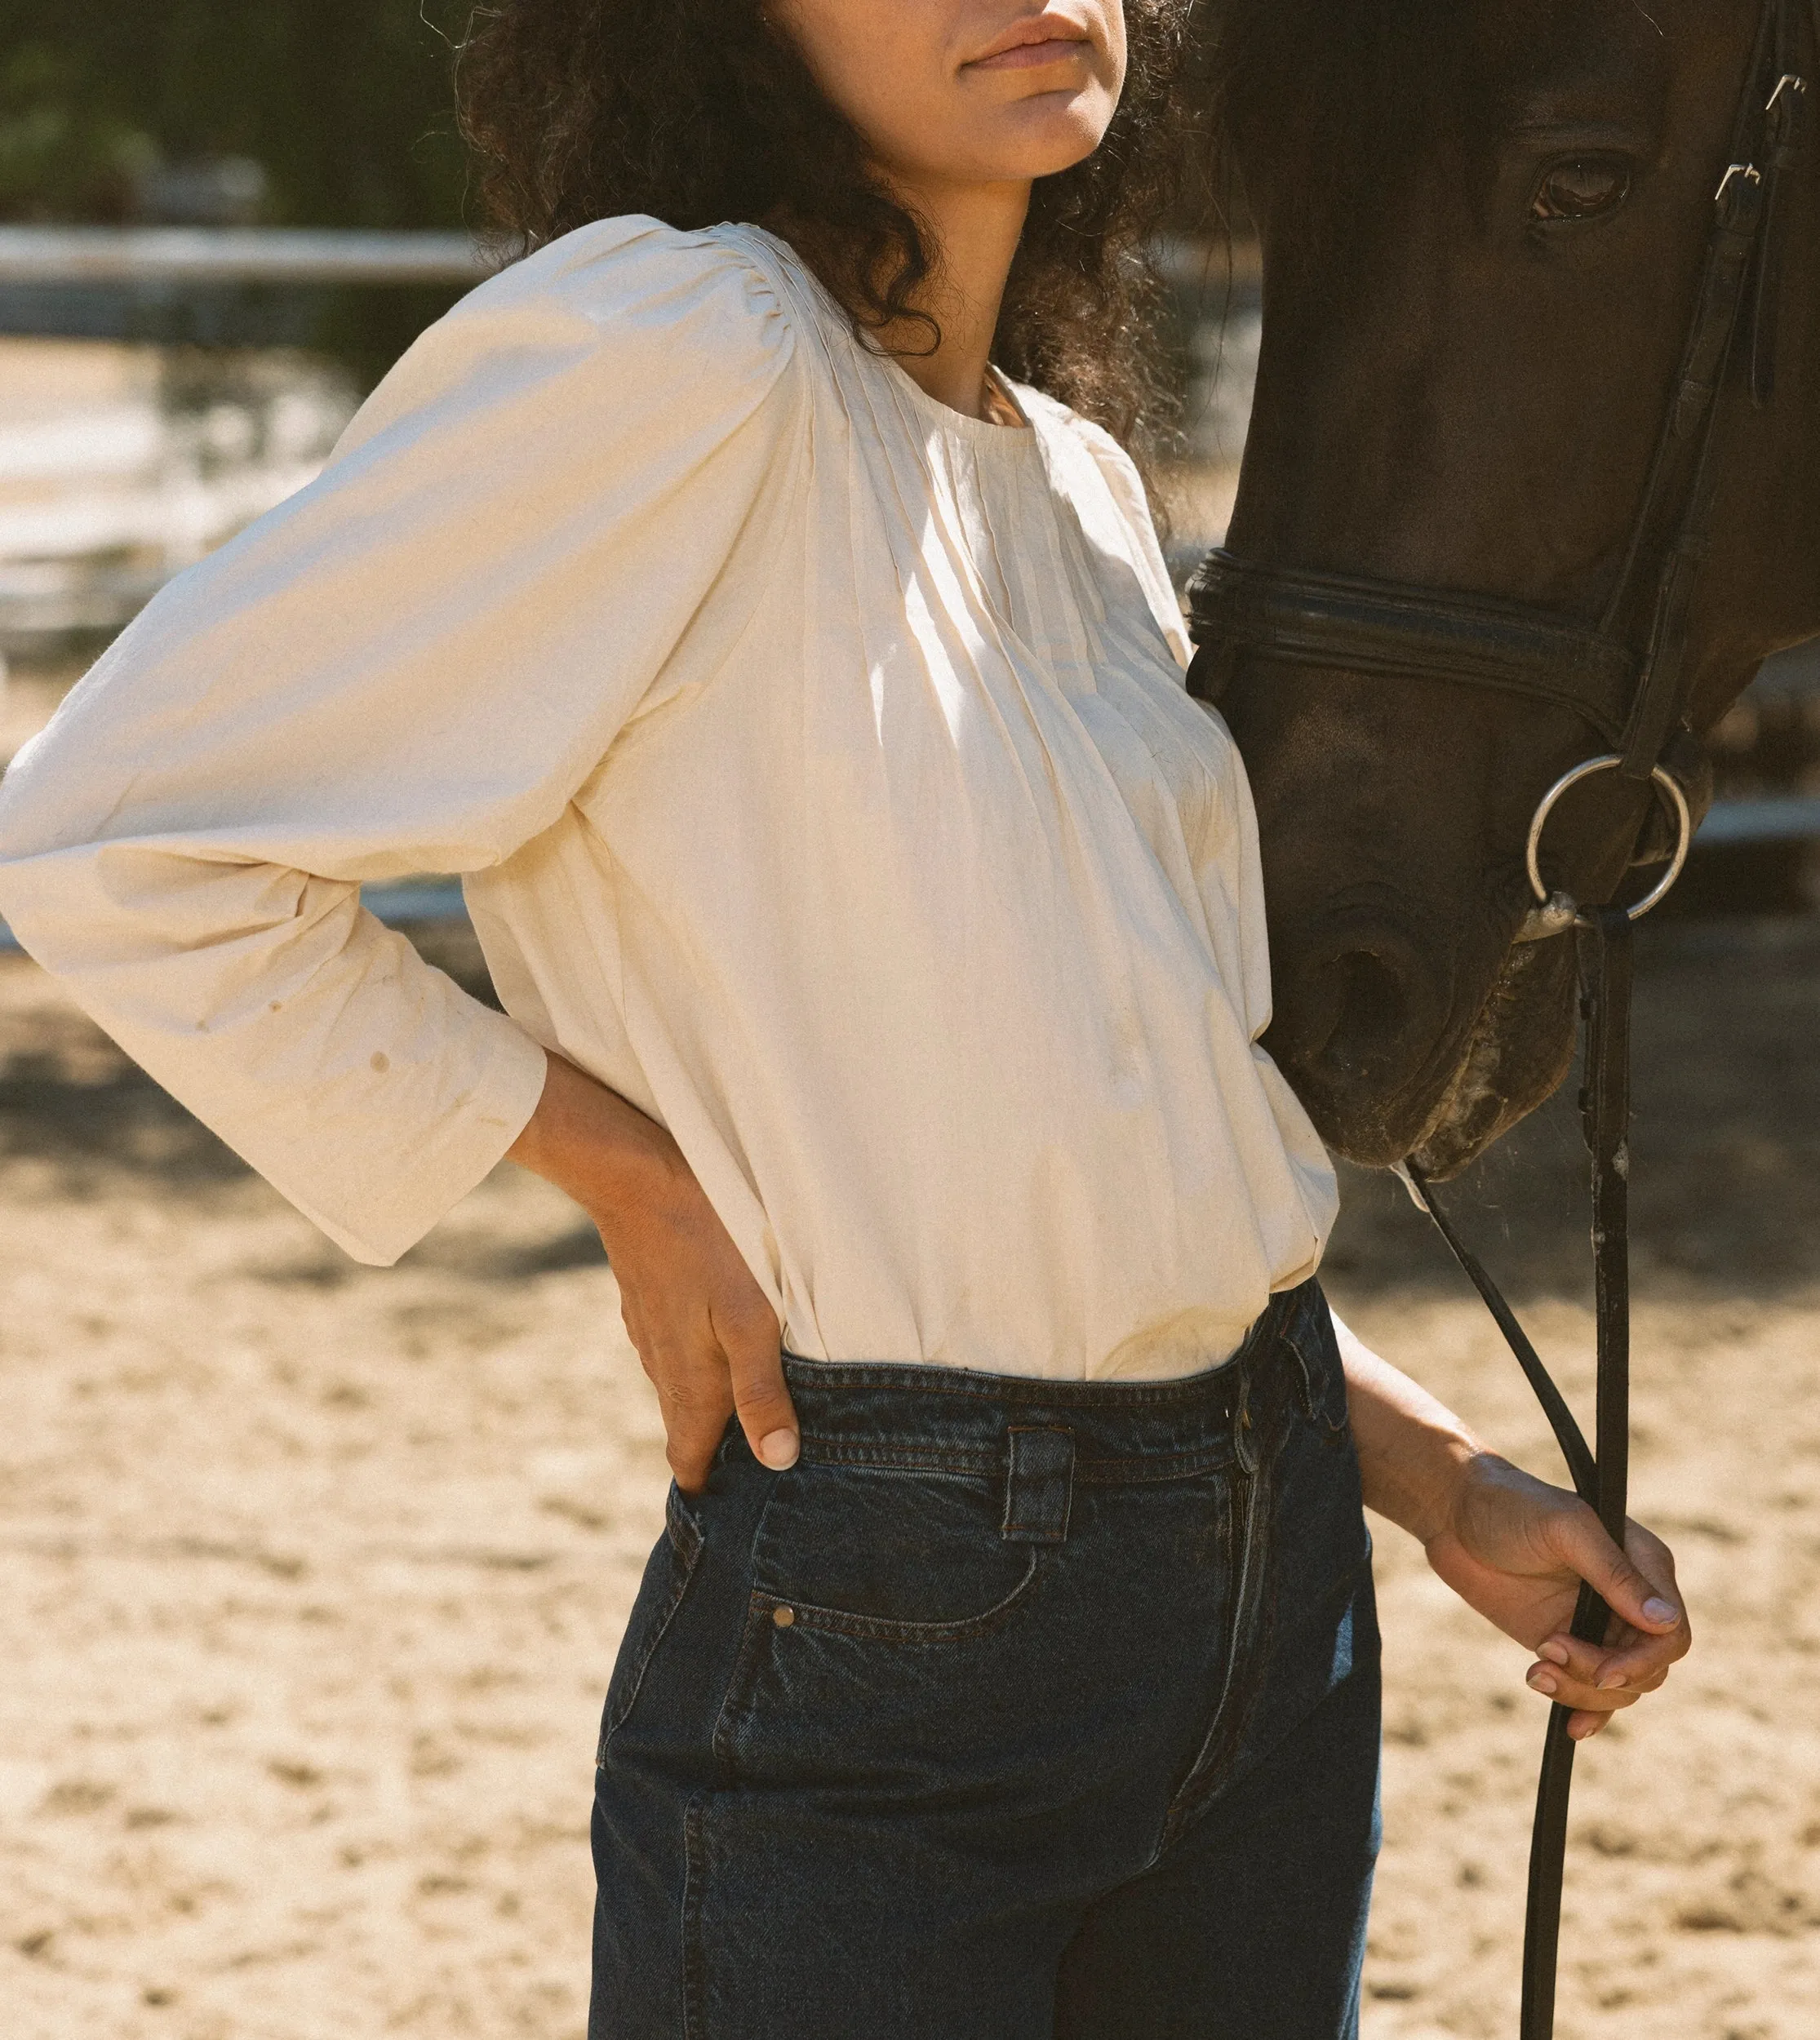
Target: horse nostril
1375,1007
1351,1016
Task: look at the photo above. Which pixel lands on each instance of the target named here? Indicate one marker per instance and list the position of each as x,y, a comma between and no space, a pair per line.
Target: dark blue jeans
1016,1710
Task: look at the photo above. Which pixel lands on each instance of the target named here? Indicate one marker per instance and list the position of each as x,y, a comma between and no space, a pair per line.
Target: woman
880,928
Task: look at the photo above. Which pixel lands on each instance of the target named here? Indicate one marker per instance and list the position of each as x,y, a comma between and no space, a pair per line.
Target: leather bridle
1628,678
1630,684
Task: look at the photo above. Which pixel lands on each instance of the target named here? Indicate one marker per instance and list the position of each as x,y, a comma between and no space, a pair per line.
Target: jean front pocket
894,1636
910,1557
667,1572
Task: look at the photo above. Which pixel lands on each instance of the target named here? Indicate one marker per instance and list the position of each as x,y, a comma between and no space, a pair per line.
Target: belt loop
1039,1487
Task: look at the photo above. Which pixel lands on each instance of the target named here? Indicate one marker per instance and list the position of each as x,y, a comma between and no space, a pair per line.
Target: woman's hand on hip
703,1329
1517,1549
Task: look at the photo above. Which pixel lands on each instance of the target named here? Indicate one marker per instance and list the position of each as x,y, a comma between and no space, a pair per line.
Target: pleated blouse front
820,770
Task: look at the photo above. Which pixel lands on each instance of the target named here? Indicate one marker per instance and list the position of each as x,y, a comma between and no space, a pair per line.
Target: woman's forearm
588,1141
1413,1450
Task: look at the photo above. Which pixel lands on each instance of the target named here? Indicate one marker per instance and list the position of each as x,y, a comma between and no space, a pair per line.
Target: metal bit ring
1664,781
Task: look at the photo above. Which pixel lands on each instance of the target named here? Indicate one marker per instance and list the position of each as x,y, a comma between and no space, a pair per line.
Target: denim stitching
1307,1335
1031,1486
1250,1647
933,1459
1003,1388
694,1956
744,1675
880,1629
687,1544
1203,1774
1210,1458
842,1375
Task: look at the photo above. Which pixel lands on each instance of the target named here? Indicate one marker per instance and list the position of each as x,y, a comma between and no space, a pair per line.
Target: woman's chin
1037,137
1060,130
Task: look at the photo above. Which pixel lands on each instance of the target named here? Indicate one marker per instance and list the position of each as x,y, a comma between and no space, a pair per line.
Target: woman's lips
1049,36
1053,49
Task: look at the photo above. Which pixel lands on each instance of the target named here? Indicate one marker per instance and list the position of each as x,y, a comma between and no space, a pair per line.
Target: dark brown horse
1482,225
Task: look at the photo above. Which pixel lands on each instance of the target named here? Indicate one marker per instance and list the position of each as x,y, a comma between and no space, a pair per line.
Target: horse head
1482,224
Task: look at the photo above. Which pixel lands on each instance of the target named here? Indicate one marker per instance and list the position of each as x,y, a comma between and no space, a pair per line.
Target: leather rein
1626,676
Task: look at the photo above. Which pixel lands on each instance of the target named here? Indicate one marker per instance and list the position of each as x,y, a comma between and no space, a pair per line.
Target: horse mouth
1516,1053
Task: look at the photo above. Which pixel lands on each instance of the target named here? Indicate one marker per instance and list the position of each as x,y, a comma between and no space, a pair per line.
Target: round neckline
977,431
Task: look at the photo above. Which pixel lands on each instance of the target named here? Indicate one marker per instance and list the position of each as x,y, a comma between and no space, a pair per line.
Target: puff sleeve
414,664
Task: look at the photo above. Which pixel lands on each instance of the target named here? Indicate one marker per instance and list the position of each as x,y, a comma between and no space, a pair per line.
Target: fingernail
1658,1610
779,1449
1543,1682
1556,1654
1611,1680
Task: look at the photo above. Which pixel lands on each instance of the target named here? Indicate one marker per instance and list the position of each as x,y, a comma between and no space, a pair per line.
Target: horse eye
1579,189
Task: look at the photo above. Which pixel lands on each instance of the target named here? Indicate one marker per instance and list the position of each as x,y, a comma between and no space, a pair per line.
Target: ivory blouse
818,765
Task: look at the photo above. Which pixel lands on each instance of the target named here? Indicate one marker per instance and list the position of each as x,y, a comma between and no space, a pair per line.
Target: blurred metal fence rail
40,257
371,255
215,287
1770,817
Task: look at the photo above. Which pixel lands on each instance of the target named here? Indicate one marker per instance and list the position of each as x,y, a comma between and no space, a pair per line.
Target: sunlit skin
963,104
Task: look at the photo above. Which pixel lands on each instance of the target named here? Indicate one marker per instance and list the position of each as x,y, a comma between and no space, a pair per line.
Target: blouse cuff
448,1159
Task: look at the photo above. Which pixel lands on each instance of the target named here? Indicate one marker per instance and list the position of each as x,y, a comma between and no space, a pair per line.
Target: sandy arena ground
314,1575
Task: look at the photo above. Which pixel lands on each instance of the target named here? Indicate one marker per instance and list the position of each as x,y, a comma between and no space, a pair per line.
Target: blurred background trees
282,113
345,104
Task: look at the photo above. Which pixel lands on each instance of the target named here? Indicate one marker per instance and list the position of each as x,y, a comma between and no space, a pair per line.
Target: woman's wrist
1430,1498
592,1144
1415,1455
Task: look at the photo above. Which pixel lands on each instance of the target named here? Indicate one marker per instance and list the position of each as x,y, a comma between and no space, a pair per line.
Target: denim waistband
869,1413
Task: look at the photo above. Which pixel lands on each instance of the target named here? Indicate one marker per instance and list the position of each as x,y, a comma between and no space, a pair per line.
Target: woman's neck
975,229
972,231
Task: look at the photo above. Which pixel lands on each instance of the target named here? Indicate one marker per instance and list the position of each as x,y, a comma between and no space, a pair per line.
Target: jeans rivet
784,1617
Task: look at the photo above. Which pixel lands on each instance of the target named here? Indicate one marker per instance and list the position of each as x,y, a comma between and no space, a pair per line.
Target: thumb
1626,1590
761,1397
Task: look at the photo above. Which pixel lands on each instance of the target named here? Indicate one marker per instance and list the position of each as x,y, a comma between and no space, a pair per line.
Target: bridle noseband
1631,687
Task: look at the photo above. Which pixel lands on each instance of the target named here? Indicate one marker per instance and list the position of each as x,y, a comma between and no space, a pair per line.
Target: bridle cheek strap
1790,114
1601,1478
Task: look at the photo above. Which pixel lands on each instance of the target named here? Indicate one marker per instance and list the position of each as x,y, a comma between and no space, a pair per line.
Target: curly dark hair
698,111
